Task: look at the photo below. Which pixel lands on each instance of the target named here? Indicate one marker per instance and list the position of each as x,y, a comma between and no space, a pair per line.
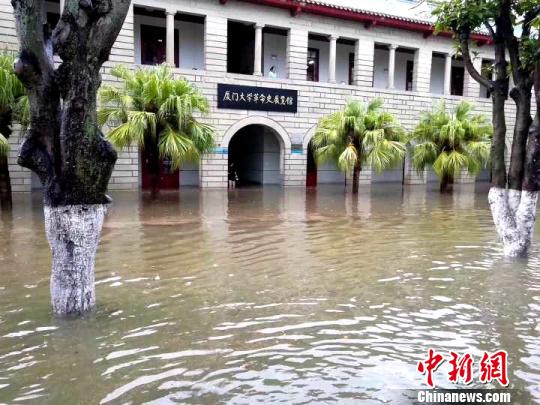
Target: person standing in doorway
272,73
233,176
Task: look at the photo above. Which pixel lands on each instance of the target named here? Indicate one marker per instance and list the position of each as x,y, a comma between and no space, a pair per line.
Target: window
351,68
456,81
154,45
313,65
409,75
240,48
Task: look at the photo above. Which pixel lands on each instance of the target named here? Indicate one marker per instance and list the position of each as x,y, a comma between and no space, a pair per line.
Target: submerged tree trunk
446,183
64,145
514,211
355,178
73,233
5,185
154,164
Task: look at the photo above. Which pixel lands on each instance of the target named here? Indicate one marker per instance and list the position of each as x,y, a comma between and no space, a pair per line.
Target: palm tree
156,112
359,134
14,107
451,142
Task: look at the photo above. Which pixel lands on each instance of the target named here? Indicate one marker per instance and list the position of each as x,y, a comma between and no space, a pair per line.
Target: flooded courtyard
269,295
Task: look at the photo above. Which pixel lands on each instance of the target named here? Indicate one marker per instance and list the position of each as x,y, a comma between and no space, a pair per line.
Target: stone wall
314,99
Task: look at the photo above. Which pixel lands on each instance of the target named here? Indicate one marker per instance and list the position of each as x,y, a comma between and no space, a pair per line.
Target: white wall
380,69
342,62
392,175
329,173
275,45
437,74
189,175
191,40
271,158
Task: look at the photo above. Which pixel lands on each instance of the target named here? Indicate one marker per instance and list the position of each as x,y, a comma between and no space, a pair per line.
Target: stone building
320,55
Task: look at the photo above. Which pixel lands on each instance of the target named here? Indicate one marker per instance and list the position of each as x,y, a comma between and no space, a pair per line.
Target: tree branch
35,69
464,39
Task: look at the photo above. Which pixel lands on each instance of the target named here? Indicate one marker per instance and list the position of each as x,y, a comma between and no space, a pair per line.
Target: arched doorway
255,155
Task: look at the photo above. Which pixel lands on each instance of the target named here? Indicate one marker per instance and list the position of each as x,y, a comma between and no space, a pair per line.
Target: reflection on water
268,295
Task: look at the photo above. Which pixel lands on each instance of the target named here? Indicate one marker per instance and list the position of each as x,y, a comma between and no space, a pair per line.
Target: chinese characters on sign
491,367
257,98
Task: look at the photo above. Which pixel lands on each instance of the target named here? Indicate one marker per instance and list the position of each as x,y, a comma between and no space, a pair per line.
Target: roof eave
296,7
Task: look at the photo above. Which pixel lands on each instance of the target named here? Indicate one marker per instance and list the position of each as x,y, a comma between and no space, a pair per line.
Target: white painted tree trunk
514,215
73,233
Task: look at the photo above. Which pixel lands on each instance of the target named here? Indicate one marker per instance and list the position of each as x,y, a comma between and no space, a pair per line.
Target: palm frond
347,159
151,104
4,146
451,142
178,147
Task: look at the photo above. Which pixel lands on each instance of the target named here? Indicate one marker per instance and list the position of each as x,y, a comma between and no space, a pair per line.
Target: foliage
466,16
450,142
153,106
360,133
14,104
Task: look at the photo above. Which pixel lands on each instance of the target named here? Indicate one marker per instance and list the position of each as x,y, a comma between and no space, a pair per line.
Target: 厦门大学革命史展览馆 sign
257,98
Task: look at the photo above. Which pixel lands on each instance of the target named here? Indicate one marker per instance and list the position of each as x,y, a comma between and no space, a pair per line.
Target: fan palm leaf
452,141
151,105
359,133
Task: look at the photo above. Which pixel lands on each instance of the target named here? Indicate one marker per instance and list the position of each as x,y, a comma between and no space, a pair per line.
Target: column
297,45
422,70
391,65
332,59
364,53
257,63
62,2
471,88
215,43
170,37
447,73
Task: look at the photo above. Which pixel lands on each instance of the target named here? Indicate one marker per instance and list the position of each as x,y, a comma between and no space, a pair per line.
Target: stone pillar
422,70
170,37
215,43
297,45
257,63
391,65
122,50
364,54
471,88
447,73
332,59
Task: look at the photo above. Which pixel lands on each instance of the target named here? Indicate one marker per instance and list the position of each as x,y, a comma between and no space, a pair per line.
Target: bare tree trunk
154,164
355,178
446,183
5,185
514,211
64,146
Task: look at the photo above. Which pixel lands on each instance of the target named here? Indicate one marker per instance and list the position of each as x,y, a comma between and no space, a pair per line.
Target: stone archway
256,150
257,120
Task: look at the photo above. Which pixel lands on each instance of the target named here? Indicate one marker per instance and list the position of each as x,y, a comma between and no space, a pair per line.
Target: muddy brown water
268,295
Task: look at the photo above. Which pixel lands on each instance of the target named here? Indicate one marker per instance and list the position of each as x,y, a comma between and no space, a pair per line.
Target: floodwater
269,295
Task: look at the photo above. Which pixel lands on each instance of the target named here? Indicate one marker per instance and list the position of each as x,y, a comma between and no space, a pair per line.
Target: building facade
312,56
